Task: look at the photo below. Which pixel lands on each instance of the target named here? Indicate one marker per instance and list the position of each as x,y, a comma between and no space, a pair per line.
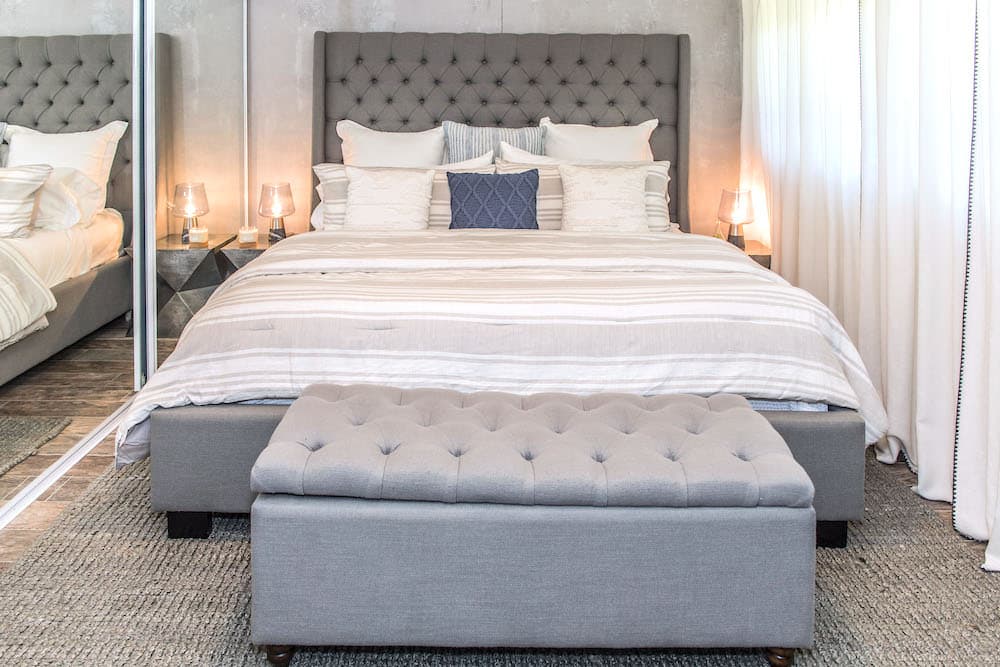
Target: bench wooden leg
832,534
780,657
196,525
279,655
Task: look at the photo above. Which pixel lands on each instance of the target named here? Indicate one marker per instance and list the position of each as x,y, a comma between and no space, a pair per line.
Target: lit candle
248,235
199,234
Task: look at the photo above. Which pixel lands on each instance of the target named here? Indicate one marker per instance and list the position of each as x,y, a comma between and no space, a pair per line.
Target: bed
74,84
203,441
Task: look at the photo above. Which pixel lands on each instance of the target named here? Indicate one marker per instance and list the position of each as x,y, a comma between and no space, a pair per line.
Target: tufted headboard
72,84
412,81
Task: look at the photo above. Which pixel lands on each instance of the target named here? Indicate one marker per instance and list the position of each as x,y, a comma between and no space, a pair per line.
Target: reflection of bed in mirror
66,84
202,446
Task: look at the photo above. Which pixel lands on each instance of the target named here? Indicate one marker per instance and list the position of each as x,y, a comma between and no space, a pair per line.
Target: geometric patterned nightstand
185,277
759,253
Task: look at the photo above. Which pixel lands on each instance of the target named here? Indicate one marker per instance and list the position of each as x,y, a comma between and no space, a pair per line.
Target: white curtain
857,134
977,462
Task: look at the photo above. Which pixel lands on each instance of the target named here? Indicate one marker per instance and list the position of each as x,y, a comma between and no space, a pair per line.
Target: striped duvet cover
516,311
24,297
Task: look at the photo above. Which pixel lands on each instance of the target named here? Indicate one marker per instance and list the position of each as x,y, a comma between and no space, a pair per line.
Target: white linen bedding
507,310
24,298
58,255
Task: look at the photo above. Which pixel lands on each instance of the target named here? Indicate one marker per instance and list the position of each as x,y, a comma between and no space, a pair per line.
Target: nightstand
239,254
759,253
186,276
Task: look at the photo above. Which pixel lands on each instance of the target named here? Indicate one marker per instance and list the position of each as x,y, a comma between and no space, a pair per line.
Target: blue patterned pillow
494,201
464,142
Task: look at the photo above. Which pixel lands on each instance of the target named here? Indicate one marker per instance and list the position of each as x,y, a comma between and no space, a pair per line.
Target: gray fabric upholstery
376,442
84,304
72,84
413,81
343,571
202,456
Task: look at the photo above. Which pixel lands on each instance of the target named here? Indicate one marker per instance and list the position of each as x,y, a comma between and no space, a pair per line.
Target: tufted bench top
547,449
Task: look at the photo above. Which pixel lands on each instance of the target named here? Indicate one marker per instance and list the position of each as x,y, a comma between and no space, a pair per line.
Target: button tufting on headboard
506,80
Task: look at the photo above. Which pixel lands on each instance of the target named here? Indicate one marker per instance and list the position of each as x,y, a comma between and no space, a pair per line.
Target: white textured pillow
333,181
68,198
388,198
91,152
18,187
603,199
629,143
363,147
510,153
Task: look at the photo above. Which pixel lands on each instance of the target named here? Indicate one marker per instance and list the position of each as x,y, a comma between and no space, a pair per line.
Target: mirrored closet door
200,149
66,177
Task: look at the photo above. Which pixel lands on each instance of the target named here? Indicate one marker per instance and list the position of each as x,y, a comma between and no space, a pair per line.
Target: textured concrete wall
65,17
281,71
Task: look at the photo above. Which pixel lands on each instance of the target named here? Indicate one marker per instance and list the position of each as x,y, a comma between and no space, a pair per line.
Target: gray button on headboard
413,81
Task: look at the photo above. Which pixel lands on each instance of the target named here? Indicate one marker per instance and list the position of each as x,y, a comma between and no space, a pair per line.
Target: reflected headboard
72,84
407,82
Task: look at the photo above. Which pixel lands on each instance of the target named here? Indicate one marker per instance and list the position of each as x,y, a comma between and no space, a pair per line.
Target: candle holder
247,236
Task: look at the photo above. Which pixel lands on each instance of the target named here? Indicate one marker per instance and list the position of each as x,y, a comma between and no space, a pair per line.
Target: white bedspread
24,297
58,255
515,311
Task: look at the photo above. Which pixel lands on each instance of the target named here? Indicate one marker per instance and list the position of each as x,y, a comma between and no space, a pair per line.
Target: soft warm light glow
190,200
736,207
276,200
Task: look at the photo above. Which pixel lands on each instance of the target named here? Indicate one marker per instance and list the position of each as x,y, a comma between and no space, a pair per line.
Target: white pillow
510,153
363,147
333,182
90,152
628,143
18,187
68,198
603,199
397,199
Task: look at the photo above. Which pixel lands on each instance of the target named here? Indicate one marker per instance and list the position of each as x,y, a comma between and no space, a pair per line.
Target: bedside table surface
173,242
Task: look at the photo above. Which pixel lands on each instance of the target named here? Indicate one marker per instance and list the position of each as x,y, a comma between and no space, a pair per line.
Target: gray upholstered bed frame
74,84
201,456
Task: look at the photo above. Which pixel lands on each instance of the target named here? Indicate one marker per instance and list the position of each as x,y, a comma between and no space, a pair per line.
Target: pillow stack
577,178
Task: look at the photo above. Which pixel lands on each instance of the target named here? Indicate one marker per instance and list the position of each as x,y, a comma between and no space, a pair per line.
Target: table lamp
736,208
276,203
189,202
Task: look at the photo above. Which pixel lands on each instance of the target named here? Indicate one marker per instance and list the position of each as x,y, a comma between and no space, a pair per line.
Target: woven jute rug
20,437
105,587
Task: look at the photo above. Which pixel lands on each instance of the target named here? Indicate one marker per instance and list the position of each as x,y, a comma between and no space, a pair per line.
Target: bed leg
780,657
279,655
832,534
196,525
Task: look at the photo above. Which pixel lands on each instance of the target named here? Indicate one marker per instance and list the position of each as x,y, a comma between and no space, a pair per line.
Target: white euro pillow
628,143
603,199
92,152
509,153
68,198
388,199
364,147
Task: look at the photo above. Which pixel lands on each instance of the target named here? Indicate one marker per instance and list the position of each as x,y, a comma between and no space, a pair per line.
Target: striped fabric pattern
18,186
505,310
334,184
550,192
464,142
24,298
3,144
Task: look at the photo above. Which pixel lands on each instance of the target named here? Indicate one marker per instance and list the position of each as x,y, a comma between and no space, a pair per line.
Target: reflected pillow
92,152
67,198
494,201
465,141
18,189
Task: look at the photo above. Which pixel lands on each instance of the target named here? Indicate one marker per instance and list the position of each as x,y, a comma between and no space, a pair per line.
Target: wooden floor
86,382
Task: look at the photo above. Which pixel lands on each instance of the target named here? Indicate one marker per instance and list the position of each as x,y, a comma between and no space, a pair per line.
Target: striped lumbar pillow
333,184
18,186
463,142
550,191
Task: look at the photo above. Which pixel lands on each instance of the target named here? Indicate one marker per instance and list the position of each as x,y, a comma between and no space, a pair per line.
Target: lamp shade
276,200
190,200
736,207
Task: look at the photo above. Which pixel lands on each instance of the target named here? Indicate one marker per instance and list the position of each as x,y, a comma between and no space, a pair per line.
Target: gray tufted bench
429,517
